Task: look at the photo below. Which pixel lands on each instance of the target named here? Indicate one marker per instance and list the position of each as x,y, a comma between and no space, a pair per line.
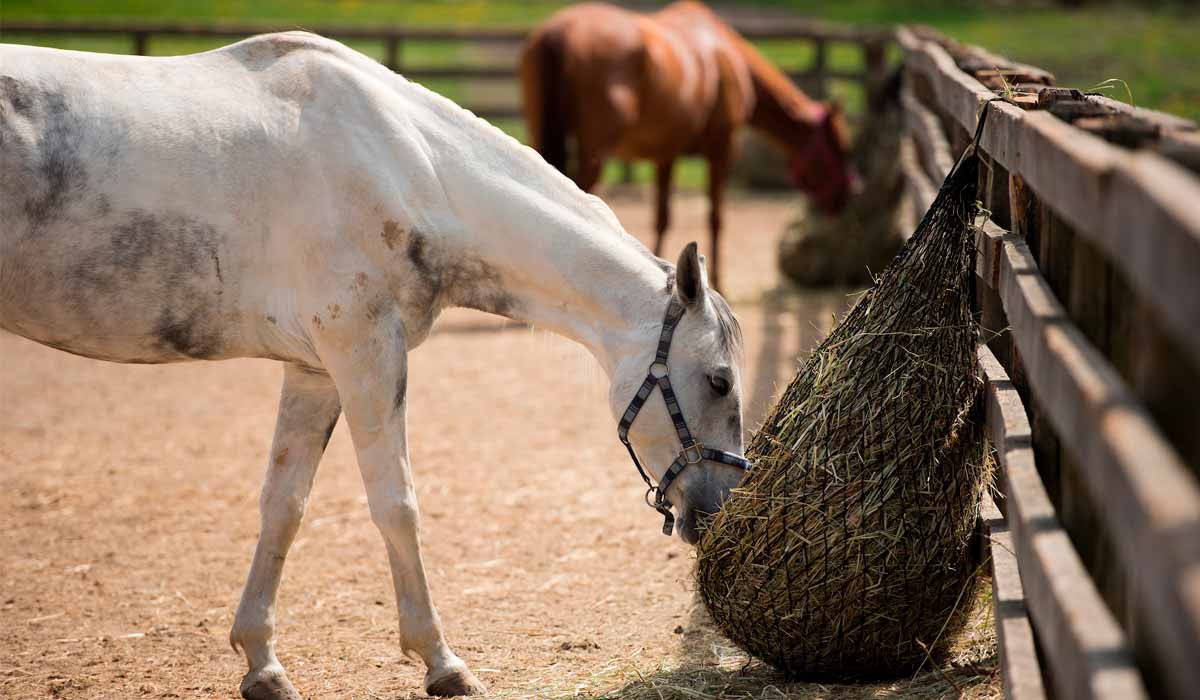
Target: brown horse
675,82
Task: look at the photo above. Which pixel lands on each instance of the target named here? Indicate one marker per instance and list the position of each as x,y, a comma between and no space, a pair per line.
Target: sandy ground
128,511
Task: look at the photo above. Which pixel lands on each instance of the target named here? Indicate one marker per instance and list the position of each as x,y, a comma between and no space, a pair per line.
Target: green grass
1153,49
1153,46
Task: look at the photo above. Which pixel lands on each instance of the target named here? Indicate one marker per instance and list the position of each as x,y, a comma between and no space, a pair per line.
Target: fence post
874,55
392,55
820,89
875,58
141,41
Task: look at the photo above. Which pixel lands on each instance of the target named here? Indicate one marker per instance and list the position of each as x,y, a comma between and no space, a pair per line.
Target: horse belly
134,287
83,266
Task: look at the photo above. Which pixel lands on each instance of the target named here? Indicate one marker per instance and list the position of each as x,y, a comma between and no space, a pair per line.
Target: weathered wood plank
1161,119
957,94
1090,306
1139,208
921,190
1183,147
932,146
993,324
1019,667
1152,502
1085,647
993,191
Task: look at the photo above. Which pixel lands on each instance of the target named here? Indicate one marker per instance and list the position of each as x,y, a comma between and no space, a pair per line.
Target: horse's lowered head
690,440
821,165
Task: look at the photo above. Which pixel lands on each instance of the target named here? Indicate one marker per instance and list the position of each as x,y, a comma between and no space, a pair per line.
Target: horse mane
731,330
531,163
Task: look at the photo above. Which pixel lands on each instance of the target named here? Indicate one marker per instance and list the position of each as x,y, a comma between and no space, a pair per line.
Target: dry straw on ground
845,551
971,673
707,667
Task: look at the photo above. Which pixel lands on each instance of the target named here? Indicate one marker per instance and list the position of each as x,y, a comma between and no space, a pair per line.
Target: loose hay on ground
710,668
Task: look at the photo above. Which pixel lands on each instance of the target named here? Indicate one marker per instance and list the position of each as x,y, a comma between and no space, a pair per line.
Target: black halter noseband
693,452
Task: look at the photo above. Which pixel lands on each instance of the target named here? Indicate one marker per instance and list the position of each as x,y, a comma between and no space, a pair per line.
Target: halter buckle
658,370
693,453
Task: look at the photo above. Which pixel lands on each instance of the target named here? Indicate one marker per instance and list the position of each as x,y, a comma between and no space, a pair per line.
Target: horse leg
596,137
368,362
662,215
589,168
308,410
718,171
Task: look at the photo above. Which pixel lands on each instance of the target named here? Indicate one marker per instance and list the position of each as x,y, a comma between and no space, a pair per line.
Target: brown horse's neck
781,110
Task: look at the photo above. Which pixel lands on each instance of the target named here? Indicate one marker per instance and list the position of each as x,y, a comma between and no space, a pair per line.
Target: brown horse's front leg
718,172
662,215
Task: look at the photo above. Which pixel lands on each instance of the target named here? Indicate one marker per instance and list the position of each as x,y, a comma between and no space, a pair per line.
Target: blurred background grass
1153,46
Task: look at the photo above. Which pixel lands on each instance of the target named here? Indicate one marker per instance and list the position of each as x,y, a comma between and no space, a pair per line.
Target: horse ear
690,277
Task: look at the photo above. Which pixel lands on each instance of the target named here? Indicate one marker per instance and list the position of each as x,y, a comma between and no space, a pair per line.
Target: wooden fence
1089,290
500,65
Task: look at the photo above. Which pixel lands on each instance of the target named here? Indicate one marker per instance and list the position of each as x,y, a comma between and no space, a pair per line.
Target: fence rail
1095,299
815,78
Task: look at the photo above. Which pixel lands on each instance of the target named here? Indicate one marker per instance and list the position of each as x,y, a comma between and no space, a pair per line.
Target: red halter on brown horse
676,82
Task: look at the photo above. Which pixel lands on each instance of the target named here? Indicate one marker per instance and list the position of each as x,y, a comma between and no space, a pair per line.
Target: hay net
846,550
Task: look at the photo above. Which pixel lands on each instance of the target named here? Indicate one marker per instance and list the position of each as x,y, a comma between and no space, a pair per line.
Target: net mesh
847,550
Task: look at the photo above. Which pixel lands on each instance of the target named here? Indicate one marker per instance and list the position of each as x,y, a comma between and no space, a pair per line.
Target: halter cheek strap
693,452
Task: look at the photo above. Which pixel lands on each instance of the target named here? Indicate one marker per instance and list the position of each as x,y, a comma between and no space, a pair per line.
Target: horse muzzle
689,525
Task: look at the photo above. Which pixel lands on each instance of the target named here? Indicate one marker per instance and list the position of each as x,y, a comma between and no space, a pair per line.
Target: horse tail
543,81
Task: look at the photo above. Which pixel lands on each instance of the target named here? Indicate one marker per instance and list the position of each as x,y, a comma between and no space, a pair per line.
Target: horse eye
719,385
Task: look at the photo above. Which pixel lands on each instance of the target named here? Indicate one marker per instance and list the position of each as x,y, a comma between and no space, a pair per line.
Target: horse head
696,349
822,166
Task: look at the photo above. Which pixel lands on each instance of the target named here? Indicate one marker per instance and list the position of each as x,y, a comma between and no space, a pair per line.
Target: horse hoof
461,682
268,685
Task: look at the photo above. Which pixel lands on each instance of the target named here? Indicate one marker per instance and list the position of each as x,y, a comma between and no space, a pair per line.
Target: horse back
143,199
646,86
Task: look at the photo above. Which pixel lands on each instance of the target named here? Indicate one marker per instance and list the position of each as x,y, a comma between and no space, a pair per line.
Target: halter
693,452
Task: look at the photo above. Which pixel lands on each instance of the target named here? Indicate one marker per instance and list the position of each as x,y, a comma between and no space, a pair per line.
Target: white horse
288,198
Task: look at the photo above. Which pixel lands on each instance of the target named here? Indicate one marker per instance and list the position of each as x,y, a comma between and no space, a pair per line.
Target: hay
845,551
707,667
820,250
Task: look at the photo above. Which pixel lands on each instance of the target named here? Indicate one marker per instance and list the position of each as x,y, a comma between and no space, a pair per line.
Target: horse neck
560,254
589,284
781,109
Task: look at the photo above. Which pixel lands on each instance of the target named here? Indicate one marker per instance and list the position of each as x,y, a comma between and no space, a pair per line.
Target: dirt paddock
128,512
